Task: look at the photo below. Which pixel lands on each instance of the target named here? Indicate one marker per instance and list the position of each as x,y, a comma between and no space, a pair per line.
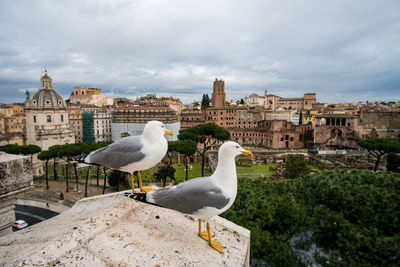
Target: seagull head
234,149
157,127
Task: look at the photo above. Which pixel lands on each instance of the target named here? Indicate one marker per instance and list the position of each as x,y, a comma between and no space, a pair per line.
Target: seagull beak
247,153
169,132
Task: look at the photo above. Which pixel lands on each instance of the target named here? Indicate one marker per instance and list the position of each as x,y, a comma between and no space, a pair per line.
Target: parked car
20,224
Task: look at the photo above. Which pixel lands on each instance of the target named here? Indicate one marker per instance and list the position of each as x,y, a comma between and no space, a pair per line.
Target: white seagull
134,153
202,197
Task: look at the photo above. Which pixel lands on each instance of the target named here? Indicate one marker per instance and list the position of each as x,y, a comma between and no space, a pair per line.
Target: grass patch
256,170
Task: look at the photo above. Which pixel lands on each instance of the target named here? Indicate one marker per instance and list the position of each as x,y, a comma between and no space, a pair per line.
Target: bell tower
218,96
46,81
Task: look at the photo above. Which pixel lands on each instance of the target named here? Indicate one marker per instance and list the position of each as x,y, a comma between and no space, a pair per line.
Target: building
46,116
218,96
192,117
273,102
12,124
276,134
152,99
89,96
342,131
283,114
131,119
90,123
75,121
255,100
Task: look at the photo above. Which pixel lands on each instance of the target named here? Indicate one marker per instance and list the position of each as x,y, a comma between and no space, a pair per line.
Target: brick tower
218,95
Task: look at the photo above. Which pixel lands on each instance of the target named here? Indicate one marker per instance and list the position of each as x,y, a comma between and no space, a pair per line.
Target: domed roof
47,98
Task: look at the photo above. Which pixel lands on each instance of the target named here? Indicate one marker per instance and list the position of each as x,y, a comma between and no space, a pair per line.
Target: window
48,118
34,118
62,118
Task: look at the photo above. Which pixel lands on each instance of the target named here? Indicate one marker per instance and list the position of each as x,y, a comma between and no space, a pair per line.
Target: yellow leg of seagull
132,183
203,234
214,243
143,189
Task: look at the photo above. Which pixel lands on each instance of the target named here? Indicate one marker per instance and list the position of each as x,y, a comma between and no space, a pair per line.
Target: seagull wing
190,196
119,154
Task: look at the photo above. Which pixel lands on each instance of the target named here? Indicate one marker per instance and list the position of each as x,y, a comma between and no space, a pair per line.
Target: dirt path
76,191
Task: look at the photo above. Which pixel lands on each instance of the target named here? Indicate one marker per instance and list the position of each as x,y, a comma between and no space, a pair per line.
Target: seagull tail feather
140,197
80,158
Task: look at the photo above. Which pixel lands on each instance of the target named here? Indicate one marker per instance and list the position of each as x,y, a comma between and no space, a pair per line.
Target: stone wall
15,177
380,124
15,173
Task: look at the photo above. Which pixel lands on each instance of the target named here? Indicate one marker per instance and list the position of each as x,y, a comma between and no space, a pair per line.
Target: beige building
12,124
46,115
75,121
273,102
131,119
152,100
89,96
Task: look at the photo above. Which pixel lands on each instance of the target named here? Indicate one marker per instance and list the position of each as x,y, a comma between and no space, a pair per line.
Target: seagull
134,153
202,197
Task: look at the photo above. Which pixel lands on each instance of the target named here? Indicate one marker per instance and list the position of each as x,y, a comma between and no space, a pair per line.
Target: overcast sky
345,51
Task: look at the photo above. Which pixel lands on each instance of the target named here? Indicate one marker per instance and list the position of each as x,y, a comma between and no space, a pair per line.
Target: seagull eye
163,126
237,147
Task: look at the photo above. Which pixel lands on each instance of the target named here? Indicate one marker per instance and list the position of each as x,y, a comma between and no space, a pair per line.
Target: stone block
15,173
113,230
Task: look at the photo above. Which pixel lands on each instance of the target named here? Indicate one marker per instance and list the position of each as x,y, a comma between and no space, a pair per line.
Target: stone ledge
115,230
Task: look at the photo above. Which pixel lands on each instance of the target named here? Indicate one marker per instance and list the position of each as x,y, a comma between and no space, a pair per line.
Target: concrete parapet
113,230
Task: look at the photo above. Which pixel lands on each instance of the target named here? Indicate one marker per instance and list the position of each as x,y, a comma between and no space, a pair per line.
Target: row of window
48,118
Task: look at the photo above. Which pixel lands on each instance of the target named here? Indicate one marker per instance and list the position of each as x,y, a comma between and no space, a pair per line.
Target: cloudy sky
343,50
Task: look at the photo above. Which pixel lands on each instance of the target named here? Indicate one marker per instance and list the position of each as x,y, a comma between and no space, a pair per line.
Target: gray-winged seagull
134,153
202,197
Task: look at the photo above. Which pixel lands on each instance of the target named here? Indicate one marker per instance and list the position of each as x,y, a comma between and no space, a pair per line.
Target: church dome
46,97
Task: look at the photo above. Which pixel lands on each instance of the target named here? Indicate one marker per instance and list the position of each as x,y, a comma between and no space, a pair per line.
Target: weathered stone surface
15,176
113,230
15,173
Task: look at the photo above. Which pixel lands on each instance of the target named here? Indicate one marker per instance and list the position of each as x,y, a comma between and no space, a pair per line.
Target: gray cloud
342,50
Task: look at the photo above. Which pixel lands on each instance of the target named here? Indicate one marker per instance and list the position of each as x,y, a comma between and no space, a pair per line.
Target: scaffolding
87,127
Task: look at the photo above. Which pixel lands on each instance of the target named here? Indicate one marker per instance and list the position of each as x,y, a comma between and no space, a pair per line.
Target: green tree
354,216
163,172
56,150
205,102
295,166
393,162
187,148
30,150
116,178
46,155
10,149
206,135
171,150
241,101
301,118
378,147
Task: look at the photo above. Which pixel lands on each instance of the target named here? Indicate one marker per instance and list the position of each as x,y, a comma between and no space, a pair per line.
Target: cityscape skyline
343,52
